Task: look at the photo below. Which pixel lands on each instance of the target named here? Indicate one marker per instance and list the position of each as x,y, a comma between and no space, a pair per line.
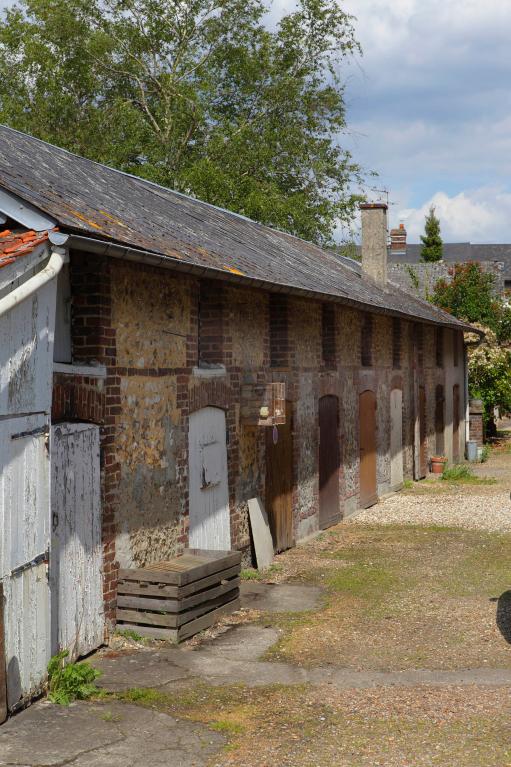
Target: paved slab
144,668
280,597
104,735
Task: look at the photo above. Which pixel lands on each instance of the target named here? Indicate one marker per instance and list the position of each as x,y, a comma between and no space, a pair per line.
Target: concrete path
103,735
235,657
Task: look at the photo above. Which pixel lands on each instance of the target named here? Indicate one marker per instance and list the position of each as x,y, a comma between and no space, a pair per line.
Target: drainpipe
57,260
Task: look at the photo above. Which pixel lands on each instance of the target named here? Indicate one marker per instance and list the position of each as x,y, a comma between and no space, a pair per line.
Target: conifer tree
432,246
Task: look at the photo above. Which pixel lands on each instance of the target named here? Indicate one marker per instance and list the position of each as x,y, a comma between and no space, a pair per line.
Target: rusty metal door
423,448
367,416
329,462
279,482
455,423
439,420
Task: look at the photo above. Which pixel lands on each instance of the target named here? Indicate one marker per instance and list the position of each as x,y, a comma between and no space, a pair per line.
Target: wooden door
455,423
329,462
24,541
423,449
210,526
76,547
367,415
396,438
279,482
439,420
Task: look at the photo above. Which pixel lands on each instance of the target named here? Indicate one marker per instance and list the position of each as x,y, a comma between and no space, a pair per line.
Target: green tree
198,95
489,371
470,295
432,246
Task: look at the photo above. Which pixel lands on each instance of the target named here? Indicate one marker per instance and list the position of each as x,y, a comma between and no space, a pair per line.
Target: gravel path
470,510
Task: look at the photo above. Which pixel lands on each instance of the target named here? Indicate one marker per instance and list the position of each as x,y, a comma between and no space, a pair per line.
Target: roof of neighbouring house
15,244
458,252
93,200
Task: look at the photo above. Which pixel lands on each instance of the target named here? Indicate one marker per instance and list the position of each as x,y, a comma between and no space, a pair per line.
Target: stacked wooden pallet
179,597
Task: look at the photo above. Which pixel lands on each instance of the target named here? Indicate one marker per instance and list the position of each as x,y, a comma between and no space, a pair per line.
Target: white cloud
480,215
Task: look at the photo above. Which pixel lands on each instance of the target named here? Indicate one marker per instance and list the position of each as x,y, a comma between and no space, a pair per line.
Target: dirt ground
401,657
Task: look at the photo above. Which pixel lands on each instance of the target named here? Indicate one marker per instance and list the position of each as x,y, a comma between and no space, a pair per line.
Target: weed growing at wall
70,681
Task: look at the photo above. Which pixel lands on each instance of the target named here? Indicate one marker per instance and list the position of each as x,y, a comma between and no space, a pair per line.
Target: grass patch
251,574
399,597
462,473
408,484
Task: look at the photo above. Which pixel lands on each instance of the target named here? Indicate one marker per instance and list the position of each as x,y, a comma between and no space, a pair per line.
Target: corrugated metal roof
87,198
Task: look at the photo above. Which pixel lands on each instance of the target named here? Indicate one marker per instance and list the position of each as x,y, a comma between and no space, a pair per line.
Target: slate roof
14,245
455,252
93,200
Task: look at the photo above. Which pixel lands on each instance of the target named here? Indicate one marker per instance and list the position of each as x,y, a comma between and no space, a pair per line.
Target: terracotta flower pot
437,463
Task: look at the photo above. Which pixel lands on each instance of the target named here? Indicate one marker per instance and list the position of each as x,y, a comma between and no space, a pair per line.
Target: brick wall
149,327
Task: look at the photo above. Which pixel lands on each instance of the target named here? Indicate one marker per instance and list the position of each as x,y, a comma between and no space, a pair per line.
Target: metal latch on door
44,557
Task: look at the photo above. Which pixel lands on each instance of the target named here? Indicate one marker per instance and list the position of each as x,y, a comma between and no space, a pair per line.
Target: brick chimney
398,241
374,241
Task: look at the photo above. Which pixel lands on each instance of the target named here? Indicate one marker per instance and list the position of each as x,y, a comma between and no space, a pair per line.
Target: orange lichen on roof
16,244
234,270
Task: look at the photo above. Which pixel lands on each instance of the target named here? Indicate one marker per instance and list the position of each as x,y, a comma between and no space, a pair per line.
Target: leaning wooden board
176,598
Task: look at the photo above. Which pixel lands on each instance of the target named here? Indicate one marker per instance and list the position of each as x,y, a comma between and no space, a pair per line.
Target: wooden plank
155,589
3,668
205,621
173,620
175,605
261,533
189,630
181,577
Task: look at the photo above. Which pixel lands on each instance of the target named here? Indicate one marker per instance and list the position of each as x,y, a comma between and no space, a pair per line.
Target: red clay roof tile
13,245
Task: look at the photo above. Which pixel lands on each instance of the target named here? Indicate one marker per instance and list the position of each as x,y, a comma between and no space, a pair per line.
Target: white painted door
76,558
208,490
24,542
396,438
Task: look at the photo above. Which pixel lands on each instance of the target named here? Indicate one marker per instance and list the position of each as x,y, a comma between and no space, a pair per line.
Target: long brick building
219,360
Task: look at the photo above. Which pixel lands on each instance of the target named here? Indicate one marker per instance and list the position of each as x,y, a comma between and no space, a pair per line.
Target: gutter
57,260
127,253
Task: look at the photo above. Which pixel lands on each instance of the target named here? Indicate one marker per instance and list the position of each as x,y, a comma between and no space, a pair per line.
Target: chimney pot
398,241
374,241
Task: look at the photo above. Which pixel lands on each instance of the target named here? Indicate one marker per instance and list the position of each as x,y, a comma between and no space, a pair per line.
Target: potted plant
437,463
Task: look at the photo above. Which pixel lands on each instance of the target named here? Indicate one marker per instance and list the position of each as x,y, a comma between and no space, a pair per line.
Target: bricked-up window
455,348
439,347
328,335
279,332
210,342
396,343
366,341
419,344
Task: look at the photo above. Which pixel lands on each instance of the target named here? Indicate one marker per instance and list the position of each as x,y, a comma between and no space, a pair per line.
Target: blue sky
429,109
